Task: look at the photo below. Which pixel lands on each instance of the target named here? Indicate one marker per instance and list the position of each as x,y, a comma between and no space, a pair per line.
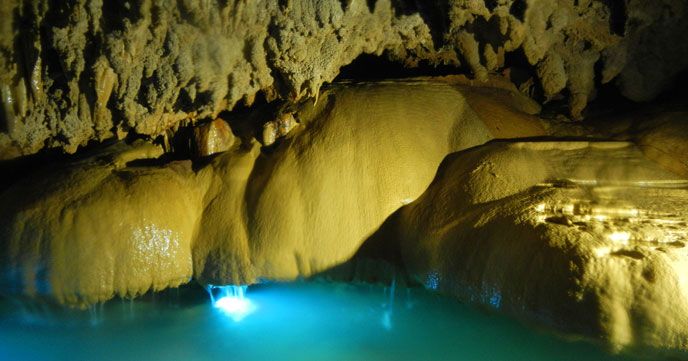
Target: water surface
313,320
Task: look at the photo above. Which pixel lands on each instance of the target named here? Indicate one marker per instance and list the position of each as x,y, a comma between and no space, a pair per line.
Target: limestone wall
87,70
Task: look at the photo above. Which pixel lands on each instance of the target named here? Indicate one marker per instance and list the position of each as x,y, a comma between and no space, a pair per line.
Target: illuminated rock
269,133
588,238
95,229
115,224
309,203
213,137
278,128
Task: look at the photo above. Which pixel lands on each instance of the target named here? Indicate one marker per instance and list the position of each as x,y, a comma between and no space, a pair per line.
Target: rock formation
586,237
117,224
184,179
85,70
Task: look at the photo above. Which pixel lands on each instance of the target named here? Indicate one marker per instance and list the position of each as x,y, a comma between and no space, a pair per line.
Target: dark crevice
344,4
117,113
435,14
246,121
180,143
150,162
20,168
550,24
147,92
283,4
617,16
487,32
371,5
608,99
518,9
369,67
628,253
491,4
555,108
204,99
117,14
24,48
184,101
523,75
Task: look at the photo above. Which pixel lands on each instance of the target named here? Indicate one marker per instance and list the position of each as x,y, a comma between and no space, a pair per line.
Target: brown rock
213,137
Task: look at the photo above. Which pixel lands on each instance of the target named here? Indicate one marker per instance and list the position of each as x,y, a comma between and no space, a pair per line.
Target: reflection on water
649,215
297,321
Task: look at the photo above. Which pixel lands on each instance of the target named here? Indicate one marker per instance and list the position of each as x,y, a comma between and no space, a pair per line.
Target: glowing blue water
231,300
298,321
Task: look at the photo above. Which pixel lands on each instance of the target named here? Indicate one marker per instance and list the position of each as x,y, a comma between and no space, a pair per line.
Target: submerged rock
586,237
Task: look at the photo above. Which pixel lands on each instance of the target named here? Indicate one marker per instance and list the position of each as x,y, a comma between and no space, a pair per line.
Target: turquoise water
295,321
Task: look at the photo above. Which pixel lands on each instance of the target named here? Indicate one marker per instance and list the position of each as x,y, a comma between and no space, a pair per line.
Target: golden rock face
106,226
93,231
586,237
310,203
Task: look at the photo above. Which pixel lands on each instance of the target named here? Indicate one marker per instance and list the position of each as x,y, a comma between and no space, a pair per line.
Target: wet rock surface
588,238
100,227
291,209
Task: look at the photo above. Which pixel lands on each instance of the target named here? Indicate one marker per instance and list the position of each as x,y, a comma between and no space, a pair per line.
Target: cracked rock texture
87,70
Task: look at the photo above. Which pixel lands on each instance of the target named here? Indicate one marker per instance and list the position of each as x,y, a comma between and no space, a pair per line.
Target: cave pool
304,320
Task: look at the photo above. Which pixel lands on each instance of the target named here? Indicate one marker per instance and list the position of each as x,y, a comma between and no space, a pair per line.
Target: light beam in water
389,307
231,300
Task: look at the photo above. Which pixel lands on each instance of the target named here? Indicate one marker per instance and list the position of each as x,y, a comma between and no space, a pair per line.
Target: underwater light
237,308
231,300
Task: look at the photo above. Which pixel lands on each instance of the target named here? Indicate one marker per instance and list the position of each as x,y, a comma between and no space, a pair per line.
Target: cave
343,180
